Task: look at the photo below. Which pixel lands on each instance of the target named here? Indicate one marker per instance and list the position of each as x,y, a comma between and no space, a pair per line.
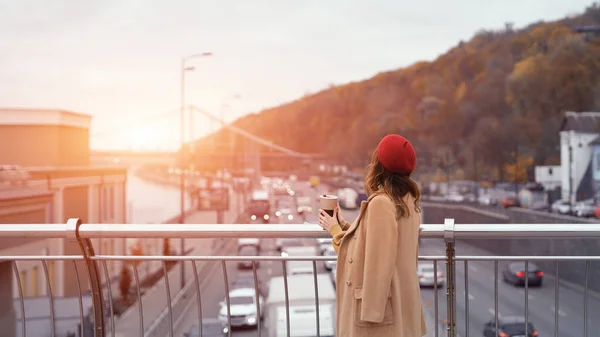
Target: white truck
302,306
260,206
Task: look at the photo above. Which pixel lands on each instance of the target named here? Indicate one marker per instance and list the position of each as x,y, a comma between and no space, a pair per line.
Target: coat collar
361,214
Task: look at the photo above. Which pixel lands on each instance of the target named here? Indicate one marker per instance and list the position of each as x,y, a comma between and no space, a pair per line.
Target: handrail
448,231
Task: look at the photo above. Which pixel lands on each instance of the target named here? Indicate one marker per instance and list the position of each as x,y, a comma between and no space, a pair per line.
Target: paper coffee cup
328,203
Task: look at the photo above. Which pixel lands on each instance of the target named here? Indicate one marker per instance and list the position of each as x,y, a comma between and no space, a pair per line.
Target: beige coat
377,288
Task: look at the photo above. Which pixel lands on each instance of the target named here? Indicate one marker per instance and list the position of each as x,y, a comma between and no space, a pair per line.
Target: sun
142,137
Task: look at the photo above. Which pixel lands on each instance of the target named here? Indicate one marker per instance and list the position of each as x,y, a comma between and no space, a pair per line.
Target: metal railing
178,305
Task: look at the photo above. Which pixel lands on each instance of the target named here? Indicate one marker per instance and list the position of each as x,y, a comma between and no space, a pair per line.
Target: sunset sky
119,60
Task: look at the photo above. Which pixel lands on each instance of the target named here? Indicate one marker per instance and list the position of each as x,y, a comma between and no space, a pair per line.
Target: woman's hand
326,221
340,217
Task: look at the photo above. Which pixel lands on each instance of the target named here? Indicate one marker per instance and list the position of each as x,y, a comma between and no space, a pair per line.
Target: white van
348,198
302,309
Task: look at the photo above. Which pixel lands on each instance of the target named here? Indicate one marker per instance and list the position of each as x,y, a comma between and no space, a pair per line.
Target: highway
480,297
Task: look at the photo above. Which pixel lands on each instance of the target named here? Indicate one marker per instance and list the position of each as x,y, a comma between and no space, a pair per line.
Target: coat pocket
388,315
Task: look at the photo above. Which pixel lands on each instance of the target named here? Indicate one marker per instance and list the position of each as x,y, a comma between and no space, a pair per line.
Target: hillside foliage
498,97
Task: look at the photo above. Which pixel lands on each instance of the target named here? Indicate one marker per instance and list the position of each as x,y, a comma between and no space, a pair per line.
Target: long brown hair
396,186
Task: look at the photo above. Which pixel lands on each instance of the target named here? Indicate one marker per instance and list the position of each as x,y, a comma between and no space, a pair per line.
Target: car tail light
520,274
534,333
441,275
539,273
503,334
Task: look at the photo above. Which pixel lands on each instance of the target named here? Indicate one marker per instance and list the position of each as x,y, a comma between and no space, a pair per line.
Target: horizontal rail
220,258
447,231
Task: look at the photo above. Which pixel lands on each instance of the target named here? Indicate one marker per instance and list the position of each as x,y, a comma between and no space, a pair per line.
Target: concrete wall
568,271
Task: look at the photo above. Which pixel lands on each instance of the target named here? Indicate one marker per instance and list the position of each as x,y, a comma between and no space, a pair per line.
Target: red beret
397,154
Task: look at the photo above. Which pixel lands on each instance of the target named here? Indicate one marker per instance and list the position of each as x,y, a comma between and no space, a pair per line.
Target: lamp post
182,177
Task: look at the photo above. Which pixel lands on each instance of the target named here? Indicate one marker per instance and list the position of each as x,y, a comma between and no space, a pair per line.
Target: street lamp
182,177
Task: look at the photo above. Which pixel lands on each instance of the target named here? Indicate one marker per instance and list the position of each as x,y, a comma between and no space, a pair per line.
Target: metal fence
101,321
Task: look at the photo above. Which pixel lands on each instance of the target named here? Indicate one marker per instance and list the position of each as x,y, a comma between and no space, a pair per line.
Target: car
13,175
299,268
487,200
584,208
514,273
246,280
324,244
253,242
330,265
561,207
283,243
211,327
509,326
284,215
334,276
243,303
299,251
427,278
247,251
455,197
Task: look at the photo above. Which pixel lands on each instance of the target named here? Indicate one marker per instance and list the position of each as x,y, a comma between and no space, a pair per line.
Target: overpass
132,158
225,156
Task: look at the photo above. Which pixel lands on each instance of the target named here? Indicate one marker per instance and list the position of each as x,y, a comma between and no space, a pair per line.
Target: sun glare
143,138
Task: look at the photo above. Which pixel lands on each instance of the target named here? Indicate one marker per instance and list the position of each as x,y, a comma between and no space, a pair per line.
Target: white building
579,133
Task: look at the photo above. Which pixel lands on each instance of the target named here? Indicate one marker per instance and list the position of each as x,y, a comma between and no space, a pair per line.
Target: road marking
492,311
560,312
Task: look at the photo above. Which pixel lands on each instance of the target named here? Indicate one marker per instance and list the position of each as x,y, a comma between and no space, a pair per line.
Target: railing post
451,276
87,250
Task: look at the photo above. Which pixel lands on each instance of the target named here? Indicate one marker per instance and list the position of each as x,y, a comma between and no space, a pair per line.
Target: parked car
584,208
487,200
514,273
561,207
510,202
510,326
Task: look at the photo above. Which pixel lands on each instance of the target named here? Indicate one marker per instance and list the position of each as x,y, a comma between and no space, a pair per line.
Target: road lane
511,298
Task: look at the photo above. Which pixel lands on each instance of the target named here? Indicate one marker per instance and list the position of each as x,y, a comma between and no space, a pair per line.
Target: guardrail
449,232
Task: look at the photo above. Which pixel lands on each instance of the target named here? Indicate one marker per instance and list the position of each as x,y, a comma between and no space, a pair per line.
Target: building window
34,281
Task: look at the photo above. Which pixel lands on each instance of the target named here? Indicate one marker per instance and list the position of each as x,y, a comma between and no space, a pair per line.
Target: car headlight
278,213
290,217
251,320
253,217
284,254
266,217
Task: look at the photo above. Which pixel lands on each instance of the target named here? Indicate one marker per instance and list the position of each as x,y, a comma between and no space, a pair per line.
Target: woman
377,287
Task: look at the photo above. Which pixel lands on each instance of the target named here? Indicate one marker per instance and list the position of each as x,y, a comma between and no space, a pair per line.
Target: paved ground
155,300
